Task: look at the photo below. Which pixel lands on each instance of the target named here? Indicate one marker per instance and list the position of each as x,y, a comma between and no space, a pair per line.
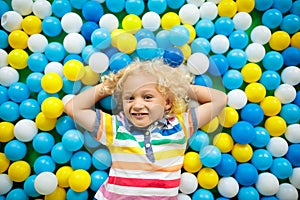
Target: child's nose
138,103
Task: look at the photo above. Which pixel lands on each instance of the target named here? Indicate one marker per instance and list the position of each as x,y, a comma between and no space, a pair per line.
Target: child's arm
211,102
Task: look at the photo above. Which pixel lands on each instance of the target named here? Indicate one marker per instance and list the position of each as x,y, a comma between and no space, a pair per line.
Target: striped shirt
147,164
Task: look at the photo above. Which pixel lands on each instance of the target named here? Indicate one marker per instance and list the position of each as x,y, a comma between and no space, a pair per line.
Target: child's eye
129,98
147,97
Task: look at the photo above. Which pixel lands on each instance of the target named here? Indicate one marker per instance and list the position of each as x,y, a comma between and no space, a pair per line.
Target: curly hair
171,82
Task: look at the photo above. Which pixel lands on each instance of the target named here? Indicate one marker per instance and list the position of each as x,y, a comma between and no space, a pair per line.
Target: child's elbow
68,108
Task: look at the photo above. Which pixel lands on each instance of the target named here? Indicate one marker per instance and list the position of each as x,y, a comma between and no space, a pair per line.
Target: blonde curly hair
171,82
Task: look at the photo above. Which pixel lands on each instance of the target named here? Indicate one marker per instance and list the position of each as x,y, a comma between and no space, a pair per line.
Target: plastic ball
119,61
260,34
277,146
248,192
41,9
17,39
19,171
270,79
203,80
228,117
37,62
42,95
281,168
44,123
227,166
294,178
3,55
246,174
198,140
9,111
25,130
31,25
290,75
173,56
97,179
232,79
198,63
242,152
243,127
295,40
273,60
55,51
45,183
37,43
276,125
60,154
290,113
162,39
157,6
92,11
18,92
207,178
227,8
252,113
101,159
267,184
146,48
279,40
291,133
87,29
101,38
285,93
255,52
200,45
90,76
211,126
272,18
58,194
72,140
210,156
33,81
60,8
238,39
182,196
7,131
44,163
228,187
205,28
218,65
51,26
52,82
179,35
188,183
262,159
73,70
43,142
3,94
63,174
237,98
131,23
224,142
17,58
219,44
126,43
79,180
208,10
16,194
290,23
287,190
189,14
74,43
3,42
271,105
255,92
224,26
56,67
292,153
202,194
64,123
11,20
52,107
242,21
291,56
115,6
29,186
134,7
109,22
15,150
81,160
251,72
6,184
151,21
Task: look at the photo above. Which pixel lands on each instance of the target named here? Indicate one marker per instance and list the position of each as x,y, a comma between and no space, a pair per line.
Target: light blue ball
202,194
248,193
175,4
118,61
3,37
44,163
246,174
55,52
179,35
64,123
101,38
29,108
92,11
115,6
262,159
273,60
290,23
33,81
81,160
232,79
262,137
29,188
3,94
71,87
51,26
237,58
42,95
98,178
43,142
218,65
71,194
252,113
262,5
238,39
210,156
59,154
135,7
61,7
101,159
290,113
224,26
282,6
198,140
9,111
72,140
272,18
15,150
201,45
18,92
17,194
281,168
203,80
157,6
205,28
270,79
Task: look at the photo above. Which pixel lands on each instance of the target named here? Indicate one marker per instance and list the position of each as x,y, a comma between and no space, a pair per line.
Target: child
147,135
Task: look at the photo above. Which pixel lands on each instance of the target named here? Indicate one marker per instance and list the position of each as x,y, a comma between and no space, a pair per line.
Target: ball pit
52,50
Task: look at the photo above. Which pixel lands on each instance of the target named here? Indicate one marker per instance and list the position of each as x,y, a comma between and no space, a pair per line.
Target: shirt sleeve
103,131
191,121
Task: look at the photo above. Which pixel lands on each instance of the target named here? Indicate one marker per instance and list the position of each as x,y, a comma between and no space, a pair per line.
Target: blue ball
238,39
97,179
173,57
61,7
162,39
72,140
202,194
290,23
210,156
43,142
81,160
224,26
262,137
87,29
243,132
158,7
262,159
273,60
175,4
92,11
144,33
3,37
44,163
179,35
198,140
147,49
3,8
33,81
232,79
227,166
290,113
248,193
87,52
218,65
135,7
272,18
55,52
71,194
71,87
59,154
72,57
295,9
110,51
9,111
270,79
3,94
29,188
15,150
64,123
201,45
237,58
118,61
78,4
90,141
101,38
51,26
269,198
252,113
205,28
291,56
293,155
18,92
29,108
281,168
246,174
17,194
42,95
101,159
282,6
262,5
203,80
108,103
297,99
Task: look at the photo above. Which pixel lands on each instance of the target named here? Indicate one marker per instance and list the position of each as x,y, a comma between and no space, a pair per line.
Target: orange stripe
144,166
100,129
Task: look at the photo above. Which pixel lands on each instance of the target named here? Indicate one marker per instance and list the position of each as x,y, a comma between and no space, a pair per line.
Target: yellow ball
295,40
7,131
90,77
73,70
44,123
227,8
228,117
211,126
52,107
186,50
114,36
251,72
255,92
169,20
132,23
52,82
18,39
18,58
126,43
191,162
224,142
245,5
279,40
276,126
32,25
242,152
192,32
5,162
19,171
63,175
208,178
58,194
271,105
79,180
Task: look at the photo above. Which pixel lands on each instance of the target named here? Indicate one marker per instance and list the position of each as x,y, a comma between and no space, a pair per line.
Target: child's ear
168,104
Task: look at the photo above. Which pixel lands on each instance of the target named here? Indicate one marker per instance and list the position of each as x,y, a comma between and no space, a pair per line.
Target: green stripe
125,136
167,141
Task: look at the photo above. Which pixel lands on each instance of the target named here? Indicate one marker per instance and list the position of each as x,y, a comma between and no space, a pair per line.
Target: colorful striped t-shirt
146,165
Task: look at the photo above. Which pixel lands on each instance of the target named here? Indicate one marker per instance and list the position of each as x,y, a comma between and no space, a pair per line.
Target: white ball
285,93
11,20
182,196
67,98
25,130
188,183
74,43
99,62
208,10
242,21
6,184
197,3
24,7
37,43
198,63
45,183
189,14
237,98
151,21
295,177
260,34
287,192
42,9
291,75
71,22
8,76
54,66
267,184
109,21
219,44
255,52
292,133
3,58
228,187
277,146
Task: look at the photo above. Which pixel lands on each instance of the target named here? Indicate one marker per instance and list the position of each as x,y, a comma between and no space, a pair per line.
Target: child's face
142,102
